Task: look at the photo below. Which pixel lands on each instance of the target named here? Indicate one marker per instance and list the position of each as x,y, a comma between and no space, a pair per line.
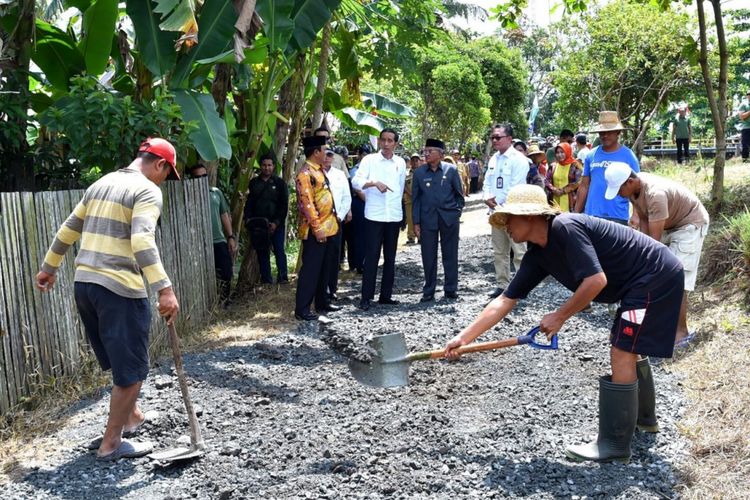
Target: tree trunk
718,106
297,118
16,162
325,50
290,102
638,144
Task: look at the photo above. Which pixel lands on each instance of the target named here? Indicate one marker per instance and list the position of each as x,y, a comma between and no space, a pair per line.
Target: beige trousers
409,221
501,246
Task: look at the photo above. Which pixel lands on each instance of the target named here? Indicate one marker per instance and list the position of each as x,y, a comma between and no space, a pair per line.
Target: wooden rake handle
196,440
477,347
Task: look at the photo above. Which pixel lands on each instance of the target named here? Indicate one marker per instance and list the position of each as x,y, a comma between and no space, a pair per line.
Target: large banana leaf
177,15
385,106
215,32
210,138
81,5
309,17
57,55
156,46
98,28
358,119
277,21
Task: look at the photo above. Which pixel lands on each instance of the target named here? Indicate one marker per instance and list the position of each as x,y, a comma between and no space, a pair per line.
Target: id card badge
499,183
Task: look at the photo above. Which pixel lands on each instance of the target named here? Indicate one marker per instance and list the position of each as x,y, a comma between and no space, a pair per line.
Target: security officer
437,199
318,225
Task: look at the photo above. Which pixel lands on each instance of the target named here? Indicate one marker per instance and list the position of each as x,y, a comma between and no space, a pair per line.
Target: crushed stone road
282,417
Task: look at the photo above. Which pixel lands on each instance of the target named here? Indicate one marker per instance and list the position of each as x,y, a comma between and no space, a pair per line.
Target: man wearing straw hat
116,223
591,200
600,262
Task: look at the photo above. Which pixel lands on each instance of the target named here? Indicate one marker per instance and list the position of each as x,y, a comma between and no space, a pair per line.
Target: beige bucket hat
534,150
524,199
608,121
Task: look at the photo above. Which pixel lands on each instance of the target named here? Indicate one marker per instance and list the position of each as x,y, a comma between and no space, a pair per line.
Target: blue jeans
264,257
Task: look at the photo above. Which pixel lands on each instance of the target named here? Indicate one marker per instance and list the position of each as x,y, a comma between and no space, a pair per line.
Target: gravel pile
282,418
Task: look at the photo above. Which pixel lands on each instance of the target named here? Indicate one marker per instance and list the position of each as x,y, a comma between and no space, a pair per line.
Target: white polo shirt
382,207
503,172
342,196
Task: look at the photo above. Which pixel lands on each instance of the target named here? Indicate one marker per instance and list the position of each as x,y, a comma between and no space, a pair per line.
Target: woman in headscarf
564,177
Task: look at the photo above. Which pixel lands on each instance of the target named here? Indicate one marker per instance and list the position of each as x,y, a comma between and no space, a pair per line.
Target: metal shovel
389,366
196,440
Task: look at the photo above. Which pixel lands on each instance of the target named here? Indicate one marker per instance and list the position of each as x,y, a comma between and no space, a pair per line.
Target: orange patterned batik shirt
315,202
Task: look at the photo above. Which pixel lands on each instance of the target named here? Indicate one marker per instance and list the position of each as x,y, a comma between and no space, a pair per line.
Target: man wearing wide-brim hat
536,168
600,262
591,200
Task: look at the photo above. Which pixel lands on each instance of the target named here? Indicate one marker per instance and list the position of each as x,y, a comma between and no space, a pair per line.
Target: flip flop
149,415
127,449
685,343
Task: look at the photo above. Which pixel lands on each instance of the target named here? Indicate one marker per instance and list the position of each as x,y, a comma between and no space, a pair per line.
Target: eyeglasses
498,137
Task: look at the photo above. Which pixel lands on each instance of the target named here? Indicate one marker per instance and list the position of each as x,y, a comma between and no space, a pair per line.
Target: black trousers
473,185
335,261
448,236
683,149
313,276
224,270
745,138
379,235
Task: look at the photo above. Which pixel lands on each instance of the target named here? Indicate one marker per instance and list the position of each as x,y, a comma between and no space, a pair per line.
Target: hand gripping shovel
389,366
196,441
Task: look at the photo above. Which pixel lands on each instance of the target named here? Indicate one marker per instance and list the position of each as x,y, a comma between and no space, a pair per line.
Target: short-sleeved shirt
474,168
596,163
219,206
664,199
745,106
682,127
579,246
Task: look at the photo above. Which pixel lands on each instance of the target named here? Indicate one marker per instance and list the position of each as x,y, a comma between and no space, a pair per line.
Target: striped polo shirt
116,222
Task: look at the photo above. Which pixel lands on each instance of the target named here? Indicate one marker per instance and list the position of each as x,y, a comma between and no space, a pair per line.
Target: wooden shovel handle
477,347
196,440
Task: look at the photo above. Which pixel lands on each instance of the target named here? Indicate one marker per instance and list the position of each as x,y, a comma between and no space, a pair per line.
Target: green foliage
210,136
57,55
93,128
156,46
98,26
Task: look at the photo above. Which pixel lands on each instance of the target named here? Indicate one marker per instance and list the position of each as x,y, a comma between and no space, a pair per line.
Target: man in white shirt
582,149
505,169
381,176
342,201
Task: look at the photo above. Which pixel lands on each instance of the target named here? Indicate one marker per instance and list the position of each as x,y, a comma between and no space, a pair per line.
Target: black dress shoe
364,304
496,292
427,298
451,295
388,302
327,308
306,316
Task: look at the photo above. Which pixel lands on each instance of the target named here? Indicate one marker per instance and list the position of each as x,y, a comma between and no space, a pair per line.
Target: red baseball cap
163,149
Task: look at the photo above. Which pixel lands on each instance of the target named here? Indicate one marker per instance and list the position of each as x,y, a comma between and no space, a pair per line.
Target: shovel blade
174,454
380,374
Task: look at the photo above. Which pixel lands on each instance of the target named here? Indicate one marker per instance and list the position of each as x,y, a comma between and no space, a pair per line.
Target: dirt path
282,418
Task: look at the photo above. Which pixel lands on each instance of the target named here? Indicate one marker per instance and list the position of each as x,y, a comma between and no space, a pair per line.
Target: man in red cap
116,223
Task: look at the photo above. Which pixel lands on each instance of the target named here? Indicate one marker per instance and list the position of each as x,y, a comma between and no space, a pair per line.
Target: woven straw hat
608,121
524,199
534,150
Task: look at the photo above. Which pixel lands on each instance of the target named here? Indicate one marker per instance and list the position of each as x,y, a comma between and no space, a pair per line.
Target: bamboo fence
41,336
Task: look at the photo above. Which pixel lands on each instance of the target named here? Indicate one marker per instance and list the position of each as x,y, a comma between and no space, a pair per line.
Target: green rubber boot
618,411
646,398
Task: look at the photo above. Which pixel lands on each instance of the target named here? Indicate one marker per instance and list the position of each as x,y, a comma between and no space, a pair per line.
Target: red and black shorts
646,321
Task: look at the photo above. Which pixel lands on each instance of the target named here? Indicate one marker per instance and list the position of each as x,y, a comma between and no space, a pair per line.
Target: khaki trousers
501,246
409,221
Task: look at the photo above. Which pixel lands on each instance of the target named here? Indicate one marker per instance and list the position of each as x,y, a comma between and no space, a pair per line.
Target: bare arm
655,229
583,192
489,317
584,294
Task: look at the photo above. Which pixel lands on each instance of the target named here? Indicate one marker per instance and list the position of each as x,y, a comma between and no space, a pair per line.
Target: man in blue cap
437,201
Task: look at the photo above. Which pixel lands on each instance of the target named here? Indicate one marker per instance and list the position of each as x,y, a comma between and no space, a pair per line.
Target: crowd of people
559,210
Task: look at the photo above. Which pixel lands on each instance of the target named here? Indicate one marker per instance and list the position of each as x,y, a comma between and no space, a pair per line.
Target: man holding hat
116,223
668,212
505,169
438,199
590,198
318,225
601,262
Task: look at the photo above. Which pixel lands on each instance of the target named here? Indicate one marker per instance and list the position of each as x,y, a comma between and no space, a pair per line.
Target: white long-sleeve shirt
382,207
342,195
503,172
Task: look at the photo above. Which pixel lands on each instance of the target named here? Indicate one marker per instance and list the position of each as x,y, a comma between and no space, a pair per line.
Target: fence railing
41,336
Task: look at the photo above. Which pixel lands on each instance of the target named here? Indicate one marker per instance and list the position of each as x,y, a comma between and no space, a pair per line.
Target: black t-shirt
579,246
267,198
